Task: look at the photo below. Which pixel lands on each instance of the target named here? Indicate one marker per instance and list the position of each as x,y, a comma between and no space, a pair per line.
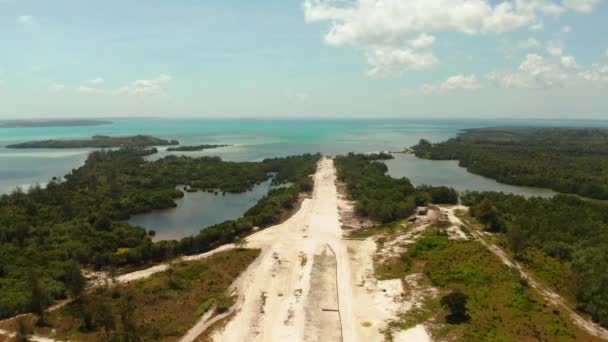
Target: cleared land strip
548,294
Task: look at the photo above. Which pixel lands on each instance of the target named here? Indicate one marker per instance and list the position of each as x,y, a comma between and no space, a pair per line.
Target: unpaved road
308,284
550,295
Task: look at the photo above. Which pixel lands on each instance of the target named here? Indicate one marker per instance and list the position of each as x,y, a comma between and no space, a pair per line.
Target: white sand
415,334
309,284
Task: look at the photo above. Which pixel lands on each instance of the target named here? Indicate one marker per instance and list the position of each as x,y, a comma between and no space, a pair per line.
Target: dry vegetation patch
162,307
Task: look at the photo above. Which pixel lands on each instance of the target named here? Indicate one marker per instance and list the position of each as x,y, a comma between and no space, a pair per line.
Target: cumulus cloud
392,62
96,81
35,68
597,73
583,6
566,29
569,62
424,40
297,96
395,30
555,49
152,87
390,21
26,20
56,87
456,82
156,86
534,72
531,43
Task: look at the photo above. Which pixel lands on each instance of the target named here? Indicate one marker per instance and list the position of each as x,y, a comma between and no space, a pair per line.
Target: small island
99,141
194,148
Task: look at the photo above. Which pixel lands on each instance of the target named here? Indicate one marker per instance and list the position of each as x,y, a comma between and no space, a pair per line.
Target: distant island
50,123
194,148
98,141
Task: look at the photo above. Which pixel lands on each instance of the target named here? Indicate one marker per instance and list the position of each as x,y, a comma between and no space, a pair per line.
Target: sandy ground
550,295
415,334
310,284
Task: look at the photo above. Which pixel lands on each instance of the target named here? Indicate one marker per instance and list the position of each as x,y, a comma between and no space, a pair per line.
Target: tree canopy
567,160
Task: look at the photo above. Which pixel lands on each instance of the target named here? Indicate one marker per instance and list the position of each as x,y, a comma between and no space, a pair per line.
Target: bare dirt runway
301,288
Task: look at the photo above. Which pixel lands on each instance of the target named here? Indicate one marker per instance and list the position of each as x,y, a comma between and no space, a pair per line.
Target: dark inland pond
198,210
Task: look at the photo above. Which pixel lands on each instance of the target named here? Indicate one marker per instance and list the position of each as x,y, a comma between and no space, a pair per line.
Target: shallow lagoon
198,210
448,173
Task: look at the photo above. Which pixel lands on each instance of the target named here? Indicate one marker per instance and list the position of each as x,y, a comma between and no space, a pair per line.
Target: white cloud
584,6
96,81
35,68
569,62
392,62
156,86
534,72
153,87
424,40
297,97
26,20
537,27
456,82
566,29
606,52
383,28
391,21
531,43
90,90
555,49
56,87
597,73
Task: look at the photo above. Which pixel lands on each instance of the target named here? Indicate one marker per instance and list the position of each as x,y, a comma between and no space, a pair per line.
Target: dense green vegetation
382,197
194,148
160,308
564,240
98,141
483,299
82,220
568,160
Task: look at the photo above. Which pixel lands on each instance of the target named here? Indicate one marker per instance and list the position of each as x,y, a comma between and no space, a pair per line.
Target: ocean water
254,140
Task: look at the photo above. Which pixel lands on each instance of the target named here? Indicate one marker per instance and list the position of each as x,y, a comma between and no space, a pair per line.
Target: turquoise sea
255,140
259,139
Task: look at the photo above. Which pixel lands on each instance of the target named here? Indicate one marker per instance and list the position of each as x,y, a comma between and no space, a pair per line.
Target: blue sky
307,58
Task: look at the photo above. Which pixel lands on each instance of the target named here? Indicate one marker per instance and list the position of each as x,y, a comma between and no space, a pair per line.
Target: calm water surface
197,210
255,140
448,173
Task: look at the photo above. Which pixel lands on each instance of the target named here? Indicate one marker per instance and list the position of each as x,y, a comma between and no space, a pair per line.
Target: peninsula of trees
99,141
194,148
381,197
567,160
48,234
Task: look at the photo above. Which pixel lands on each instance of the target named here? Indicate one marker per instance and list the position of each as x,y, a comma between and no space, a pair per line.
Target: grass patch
160,308
429,308
387,229
557,275
395,268
501,306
